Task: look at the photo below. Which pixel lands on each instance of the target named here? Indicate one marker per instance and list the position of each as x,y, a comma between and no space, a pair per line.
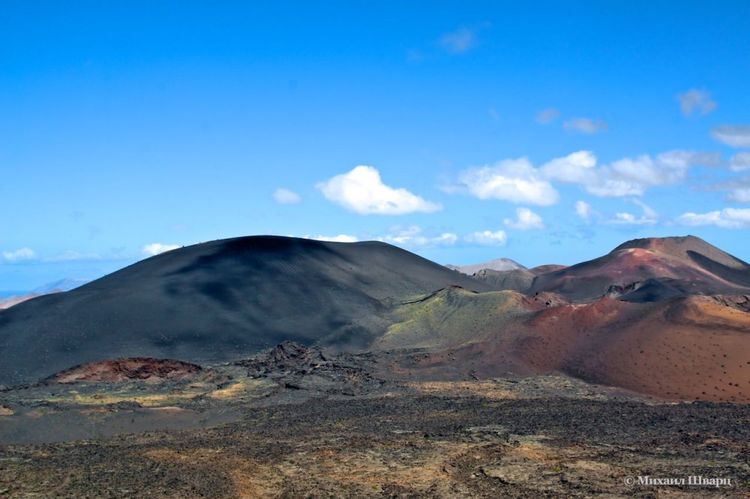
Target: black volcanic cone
220,300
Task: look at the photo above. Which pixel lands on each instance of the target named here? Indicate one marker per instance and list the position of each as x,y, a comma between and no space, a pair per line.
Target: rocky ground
300,422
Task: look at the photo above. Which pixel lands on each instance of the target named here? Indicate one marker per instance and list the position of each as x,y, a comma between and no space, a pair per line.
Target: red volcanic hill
684,348
667,317
651,270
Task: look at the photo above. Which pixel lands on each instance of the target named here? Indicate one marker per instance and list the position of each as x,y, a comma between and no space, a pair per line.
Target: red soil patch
136,368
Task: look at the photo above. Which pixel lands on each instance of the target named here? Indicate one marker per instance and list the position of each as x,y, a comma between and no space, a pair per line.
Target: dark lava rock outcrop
296,366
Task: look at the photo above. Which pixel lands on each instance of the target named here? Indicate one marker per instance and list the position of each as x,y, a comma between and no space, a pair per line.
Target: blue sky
465,131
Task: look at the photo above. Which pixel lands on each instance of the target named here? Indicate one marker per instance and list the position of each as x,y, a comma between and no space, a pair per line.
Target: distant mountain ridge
11,299
499,264
66,284
664,316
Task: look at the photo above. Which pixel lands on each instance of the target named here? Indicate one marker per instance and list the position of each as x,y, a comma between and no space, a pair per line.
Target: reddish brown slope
543,269
693,348
673,266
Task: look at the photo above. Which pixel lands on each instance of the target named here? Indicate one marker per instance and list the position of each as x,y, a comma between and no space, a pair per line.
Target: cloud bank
415,236
18,255
728,218
519,181
627,176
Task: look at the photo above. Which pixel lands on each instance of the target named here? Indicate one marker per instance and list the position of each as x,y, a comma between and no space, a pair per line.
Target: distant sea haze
60,285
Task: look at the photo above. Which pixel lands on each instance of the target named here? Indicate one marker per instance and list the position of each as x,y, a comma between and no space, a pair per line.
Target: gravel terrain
296,422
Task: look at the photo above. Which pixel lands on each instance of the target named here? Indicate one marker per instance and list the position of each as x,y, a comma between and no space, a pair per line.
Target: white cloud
414,236
585,125
738,189
458,41
740,195
728,218
518,181
648,212
577,167
362,191
696,100
18,255
514,180
547,116
740,162
157,248
340,238
487,238
732,135
680,157
624,218
627,176
583,210
648,217
285,196
644,171
525,220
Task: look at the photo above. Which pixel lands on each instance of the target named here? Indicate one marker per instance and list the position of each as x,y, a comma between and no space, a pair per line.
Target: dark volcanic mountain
219,301
543,269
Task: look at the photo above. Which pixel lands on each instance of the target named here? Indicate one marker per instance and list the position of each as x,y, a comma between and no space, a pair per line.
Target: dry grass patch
486,389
